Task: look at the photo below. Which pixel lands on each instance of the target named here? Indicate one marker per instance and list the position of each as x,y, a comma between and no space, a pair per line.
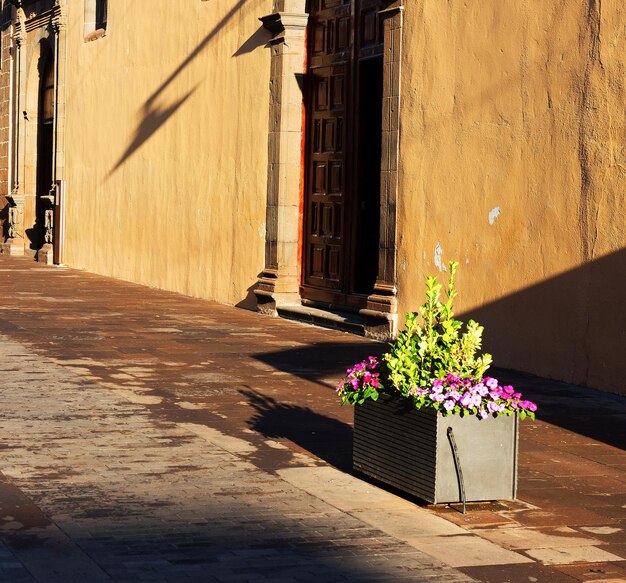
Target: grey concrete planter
411,450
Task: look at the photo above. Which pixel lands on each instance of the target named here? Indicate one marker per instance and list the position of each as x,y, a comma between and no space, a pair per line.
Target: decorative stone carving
12,222
19,36
49,226
14,245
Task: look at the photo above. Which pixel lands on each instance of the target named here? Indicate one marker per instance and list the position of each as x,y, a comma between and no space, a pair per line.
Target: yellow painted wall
513,161
166,145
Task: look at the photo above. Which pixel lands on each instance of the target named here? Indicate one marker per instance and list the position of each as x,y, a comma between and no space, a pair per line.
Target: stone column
14,245
279,282
384,298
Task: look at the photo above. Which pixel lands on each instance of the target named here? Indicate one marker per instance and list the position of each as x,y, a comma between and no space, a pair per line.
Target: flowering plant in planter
434,363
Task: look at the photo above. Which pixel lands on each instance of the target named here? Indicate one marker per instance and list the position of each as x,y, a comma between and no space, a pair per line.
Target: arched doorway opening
44,202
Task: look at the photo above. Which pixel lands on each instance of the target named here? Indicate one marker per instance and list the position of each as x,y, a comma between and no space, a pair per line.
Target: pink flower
449,405
493,408
454,395
490,382
476,400
528,405
466,399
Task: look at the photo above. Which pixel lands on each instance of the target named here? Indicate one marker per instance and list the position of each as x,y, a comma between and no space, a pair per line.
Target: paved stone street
150,436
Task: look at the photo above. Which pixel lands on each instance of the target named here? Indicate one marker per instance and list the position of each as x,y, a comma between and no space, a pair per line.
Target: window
101,14
95,19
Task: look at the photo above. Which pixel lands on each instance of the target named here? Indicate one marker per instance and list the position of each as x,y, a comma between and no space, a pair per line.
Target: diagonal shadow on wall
154,116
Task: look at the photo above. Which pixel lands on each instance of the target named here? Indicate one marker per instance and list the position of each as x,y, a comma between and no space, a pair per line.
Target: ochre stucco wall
513,160
166,145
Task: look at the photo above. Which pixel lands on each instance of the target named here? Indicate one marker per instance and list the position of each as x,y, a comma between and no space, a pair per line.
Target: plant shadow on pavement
326,438
324,361
587,412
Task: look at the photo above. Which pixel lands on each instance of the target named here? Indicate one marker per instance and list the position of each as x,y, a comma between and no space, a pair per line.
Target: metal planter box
411,450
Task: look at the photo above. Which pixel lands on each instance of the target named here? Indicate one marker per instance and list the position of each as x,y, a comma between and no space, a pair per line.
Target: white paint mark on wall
262,231
493,215
438,257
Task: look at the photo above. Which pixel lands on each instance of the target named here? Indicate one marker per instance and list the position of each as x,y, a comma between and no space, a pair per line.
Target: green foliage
433,344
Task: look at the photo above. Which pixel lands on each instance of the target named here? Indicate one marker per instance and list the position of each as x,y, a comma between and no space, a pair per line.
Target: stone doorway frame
279,282
47,26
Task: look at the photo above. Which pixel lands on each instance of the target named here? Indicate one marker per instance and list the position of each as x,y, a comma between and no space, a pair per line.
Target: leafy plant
435,363
433,344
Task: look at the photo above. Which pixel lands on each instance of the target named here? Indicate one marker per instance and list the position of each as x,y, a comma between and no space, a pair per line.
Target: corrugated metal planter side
410,450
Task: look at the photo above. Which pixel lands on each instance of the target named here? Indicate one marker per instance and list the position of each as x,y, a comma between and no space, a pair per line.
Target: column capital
280,24
59,16
20,27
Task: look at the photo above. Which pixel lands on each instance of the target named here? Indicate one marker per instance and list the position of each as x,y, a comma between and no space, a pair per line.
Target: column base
13,247
45,255
274,290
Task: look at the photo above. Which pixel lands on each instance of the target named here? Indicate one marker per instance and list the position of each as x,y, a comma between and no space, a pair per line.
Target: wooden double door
343,151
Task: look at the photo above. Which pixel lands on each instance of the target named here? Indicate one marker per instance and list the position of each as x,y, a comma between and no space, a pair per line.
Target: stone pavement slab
171,438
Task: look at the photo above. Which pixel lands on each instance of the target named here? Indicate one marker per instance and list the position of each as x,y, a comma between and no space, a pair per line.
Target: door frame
279,282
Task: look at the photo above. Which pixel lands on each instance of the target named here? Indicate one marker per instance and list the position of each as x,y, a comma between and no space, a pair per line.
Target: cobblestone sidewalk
108,493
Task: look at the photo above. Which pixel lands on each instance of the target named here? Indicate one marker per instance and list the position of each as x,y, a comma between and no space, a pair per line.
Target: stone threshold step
331,318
